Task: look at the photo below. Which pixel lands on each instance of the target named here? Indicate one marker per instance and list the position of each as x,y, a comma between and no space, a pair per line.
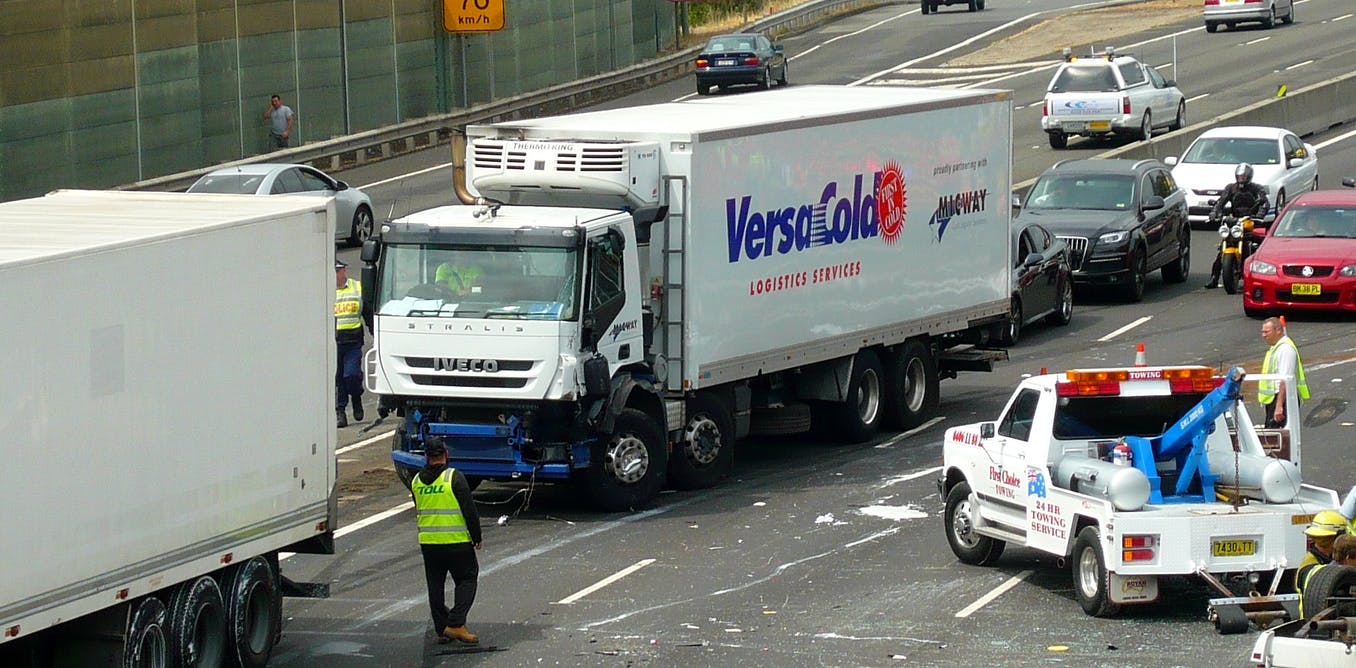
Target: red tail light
1125,105
752,60
1211,3
1045,109
1250,2
1138,548
701,62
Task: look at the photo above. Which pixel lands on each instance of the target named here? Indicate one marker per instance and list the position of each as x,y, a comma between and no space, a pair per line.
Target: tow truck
1130,474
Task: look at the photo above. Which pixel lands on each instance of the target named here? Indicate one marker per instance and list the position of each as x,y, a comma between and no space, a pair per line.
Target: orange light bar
1117,375
1098,375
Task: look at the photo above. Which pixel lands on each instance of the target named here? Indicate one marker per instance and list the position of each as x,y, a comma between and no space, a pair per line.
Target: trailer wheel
960,520
147,640
197,624
252,606
859,415
628,467
911,392
1230,619
705,449
1090,575
1329,581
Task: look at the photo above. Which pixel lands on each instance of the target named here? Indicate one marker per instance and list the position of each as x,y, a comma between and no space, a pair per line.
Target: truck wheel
1090,575
911,392
1058,140
197,625
252,606
858,416
1228,273
628,468
1211,27
705,449
1064,313
961,517
147,639
1329,581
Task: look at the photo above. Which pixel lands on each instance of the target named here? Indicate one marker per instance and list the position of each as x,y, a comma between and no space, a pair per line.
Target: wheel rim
1181,115
363,228
1066,303
1088,580
701,440
915,385
868,396
1185,254
1015,321
1138,278
627,458
153,648
963,525
1146,129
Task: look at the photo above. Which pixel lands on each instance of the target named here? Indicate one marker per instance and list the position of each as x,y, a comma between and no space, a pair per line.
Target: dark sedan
744,58
1121,218
1042,280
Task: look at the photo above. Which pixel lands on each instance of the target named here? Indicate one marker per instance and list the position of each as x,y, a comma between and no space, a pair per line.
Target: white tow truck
1132,474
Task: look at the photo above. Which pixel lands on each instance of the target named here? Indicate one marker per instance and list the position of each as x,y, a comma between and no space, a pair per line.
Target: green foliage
703,13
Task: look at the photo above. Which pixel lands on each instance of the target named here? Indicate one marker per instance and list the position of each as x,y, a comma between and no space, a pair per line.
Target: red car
1308,259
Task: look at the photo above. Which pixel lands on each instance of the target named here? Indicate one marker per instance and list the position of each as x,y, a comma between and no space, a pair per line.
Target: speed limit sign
473,15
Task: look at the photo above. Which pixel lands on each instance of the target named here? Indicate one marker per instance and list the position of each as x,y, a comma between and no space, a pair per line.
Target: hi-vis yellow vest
1267,389
348,305
440,518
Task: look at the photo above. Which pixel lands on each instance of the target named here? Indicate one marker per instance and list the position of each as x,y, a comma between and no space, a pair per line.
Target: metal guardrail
361,148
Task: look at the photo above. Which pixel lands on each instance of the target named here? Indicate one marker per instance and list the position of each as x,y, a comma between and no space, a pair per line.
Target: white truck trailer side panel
168,387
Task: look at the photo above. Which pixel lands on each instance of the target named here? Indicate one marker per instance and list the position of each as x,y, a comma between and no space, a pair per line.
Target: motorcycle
1237,244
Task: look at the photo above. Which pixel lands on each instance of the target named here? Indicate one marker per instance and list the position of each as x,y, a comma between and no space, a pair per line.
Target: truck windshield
1102,192
1113,417
513,282
1085,79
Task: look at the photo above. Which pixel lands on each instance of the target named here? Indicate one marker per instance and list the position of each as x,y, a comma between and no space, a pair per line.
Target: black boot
357,411
343,421
1214,283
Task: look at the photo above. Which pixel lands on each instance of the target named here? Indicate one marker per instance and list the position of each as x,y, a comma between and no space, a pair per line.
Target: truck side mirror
986,430
371,251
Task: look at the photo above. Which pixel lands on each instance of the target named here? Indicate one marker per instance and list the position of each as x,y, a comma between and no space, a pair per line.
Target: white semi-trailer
641,287
167,423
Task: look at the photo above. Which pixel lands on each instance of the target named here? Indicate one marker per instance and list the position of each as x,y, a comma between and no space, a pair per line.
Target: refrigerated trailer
638,288
167,423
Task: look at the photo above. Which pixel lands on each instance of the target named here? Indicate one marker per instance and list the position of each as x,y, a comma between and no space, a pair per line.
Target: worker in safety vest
1281,358
449,535
459,275
349,316
1343,553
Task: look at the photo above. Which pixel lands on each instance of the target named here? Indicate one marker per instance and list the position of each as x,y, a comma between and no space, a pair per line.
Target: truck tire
252,620
1228,273
968,546
1064,312
1329,581
1058,140
1090,575
628,467
911,386
197,625
705,449
860,413
147,639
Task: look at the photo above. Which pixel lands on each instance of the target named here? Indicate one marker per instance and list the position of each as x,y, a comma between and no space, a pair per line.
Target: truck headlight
1347,271
1113,238
1266,268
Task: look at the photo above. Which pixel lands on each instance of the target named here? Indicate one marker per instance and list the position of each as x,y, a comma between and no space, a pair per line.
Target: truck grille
607,158
506,382
1078,247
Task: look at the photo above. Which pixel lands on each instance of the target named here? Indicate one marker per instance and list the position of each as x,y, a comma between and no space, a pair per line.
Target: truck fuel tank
1259,477
1126,487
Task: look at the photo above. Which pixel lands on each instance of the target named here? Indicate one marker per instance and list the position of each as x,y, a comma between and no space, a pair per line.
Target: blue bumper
494,451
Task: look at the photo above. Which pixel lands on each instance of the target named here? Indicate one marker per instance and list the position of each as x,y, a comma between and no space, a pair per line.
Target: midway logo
959,204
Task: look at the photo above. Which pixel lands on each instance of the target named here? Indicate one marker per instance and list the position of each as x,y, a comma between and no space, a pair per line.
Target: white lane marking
1302,64
1329,365
1125,329
1336,139
949,49
879,534
1342,17
998,591
913,431
1122,49
604,582
979,68
405,176
1259,39
909,476
1198,97
852,34
360,444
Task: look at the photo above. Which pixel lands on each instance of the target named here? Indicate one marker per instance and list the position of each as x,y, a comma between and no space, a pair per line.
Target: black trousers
459,561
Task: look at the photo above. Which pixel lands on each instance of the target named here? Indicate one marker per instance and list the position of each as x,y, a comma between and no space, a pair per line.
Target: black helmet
1243,173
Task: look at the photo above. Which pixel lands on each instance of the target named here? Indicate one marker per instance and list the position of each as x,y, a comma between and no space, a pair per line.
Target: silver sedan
353,208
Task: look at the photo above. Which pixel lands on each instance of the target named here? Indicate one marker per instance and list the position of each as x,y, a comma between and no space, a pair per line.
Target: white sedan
1281,163
353,208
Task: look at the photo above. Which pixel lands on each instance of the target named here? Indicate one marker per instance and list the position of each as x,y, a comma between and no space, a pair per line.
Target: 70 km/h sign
473,15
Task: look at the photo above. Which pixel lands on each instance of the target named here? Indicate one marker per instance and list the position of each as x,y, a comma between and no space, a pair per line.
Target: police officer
349,316
449,535
1281,358
1244,198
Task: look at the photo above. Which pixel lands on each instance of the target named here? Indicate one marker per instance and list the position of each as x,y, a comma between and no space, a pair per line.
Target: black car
742,58
1042,280
1121,219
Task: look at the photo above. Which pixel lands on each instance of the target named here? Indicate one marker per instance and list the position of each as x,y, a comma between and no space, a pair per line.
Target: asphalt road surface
821,555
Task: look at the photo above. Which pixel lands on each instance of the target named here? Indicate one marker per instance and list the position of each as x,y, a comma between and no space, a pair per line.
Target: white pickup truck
1100,95
1121,471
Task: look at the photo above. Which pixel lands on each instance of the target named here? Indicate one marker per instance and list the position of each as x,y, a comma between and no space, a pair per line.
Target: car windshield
1233,150
239,184
1085,79
513,282
1316,222
1101,192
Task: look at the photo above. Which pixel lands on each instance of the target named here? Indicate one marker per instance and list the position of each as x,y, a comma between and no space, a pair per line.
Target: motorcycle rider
1244,198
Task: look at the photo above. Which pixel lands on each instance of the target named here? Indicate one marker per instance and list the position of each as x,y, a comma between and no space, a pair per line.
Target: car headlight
1266,268
1113,238
1224,231
1348,271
